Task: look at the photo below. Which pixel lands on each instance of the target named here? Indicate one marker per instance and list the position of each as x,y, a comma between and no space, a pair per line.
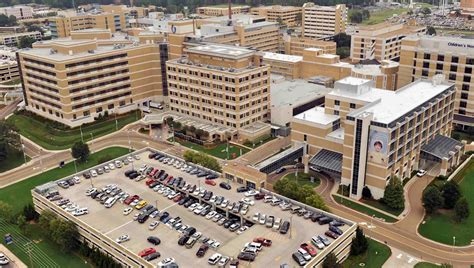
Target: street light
454,244
23,149
82,136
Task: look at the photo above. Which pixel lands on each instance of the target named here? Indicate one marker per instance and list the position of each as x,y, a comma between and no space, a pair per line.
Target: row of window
113,89
101,68
90,78
128,93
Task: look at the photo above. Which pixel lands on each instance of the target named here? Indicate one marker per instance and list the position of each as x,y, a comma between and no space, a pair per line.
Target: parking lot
113,223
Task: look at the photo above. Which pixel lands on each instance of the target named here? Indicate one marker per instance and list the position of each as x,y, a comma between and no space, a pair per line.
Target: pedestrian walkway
400,259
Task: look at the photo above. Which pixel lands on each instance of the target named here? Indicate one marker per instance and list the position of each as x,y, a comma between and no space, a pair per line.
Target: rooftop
226,51
441,146
282,57
295,92
317,115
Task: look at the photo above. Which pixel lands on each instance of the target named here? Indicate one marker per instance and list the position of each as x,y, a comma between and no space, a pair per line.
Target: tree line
302,193
203,160
447,196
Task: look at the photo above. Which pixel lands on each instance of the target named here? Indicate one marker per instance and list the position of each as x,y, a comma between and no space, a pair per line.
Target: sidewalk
400,259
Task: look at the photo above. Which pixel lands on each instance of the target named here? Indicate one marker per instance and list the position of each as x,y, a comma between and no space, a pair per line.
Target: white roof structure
295,92
282,57
222,50
317,115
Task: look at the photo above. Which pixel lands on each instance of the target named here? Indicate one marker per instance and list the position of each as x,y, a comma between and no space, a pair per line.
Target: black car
202,250
225,185
207,196
336,230
128,172
86,175
228,223
152,256
182,240
212,176
187,204
154,240
246,256
298,258
142,218
181,184
324,220
190,231
164,215
158,156
336,223
183,200
285,226
152,155
242,189
315,217
134,175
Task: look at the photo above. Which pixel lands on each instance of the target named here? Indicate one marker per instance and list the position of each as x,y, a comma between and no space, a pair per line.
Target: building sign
461,45
378,145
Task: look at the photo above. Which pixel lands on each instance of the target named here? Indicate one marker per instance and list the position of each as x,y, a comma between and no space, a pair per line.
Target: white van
110,202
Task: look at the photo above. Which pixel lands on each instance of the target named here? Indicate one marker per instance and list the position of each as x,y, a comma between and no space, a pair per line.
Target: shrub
366,193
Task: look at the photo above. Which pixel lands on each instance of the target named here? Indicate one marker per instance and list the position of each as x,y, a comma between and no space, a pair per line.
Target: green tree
6,212
451,194
331,261
355,16
432,199
26,42
316,201
45,219
65,234
430,30
366,193
343,52
30,213
80,151
426,10
9,140
393,195
21,222
360,244
169,120
461,210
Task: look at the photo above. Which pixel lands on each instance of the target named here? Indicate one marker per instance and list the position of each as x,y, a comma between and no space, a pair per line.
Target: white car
242,230
71,208
80,212
3,259
122,238
93,173
136,156
127,211
224,203
248,201
76,179
192,207
262,219
155,214
166,262
153,225
106,169
256,216
421,173
135,217
91,191
251,193
223,261
214,258
130,159
210,215
111,166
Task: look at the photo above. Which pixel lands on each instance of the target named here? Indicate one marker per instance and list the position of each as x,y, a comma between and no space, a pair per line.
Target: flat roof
441,146
222,50
295,92
317,115
46,52
391,105
282,57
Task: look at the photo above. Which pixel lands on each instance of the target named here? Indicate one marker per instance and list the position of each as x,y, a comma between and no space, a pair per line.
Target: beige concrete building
223,85
365,135
75,79
8,70
382,41
287,15
223,10
315,62
323,21
425,56
243,30
295,45
13,39
62,26
19,12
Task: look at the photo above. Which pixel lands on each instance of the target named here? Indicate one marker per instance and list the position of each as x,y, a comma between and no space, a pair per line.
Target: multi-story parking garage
101,226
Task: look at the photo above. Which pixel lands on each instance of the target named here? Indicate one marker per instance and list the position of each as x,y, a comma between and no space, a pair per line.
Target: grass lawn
363,209
375,257
259,141
44,252
12,82
426,265
463,232
382,206
303,179
217,151
382,15
54,139
18,195
14,160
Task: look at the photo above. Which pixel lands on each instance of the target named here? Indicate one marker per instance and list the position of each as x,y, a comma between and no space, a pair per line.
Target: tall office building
216,11
366,135
424,56
74,80
220,84
19,12
323,21
382,41
287,15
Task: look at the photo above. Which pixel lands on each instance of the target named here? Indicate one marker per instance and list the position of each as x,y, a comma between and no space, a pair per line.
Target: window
465,87
464,96
463,104
426,56
468,70
439,66
336,112
111,106
424,73
454,59
440,57
336,102
305,137
467,79
353,105
453,68
98,110
470,61
452,76
86,113
426,64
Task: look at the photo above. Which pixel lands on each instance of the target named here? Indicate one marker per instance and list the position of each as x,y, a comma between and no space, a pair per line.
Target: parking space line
118,227
172,205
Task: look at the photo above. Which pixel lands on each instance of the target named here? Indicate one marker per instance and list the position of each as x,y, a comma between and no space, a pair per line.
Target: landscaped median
217,150
303,179
49,136
363,208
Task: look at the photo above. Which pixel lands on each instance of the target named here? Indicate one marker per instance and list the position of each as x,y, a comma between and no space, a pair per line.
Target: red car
309,248
146,252
259,196
265,242
331,234
210,182
168,179
179,197
149,181
153,172
130,199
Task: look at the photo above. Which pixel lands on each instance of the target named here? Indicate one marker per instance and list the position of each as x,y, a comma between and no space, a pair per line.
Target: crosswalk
38,257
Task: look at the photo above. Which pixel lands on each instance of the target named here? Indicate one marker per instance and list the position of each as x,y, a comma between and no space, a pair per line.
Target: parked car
214,258
122,238
246,256
421,173
298,258
154,240
146,252
285,226
166,262
225,185
202,250
265,242
152,256
309,248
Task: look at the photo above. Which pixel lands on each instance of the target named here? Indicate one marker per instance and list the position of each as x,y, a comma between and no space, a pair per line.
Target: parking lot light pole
23,149
92,141
454,244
